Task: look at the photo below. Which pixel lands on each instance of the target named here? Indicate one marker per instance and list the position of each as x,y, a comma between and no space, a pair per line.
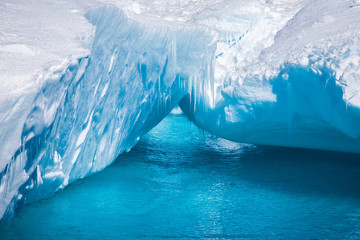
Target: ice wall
101,104
300,87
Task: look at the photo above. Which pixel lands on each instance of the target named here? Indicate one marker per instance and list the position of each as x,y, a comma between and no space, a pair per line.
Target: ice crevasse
83,81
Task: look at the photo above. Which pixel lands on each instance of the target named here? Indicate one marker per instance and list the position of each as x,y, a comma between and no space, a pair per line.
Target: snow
82,81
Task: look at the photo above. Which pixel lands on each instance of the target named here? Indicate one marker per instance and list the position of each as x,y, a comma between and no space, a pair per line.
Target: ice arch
102,104
276,79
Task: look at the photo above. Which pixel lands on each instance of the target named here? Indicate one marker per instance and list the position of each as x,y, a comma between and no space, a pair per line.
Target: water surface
179,182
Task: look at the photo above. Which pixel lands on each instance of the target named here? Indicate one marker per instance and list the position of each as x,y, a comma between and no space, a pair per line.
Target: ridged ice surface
82,81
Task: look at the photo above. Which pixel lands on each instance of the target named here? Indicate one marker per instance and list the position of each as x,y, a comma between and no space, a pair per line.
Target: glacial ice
302,91
82,81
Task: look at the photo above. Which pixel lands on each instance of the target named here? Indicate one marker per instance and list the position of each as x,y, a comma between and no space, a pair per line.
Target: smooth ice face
81,82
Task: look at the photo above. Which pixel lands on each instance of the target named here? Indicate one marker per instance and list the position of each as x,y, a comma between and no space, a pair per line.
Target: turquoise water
179,182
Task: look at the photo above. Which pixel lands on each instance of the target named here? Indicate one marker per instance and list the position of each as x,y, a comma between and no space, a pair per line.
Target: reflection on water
179,182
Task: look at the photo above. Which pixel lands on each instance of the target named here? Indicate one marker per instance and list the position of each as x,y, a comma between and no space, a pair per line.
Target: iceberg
83,81
301,91
83,113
